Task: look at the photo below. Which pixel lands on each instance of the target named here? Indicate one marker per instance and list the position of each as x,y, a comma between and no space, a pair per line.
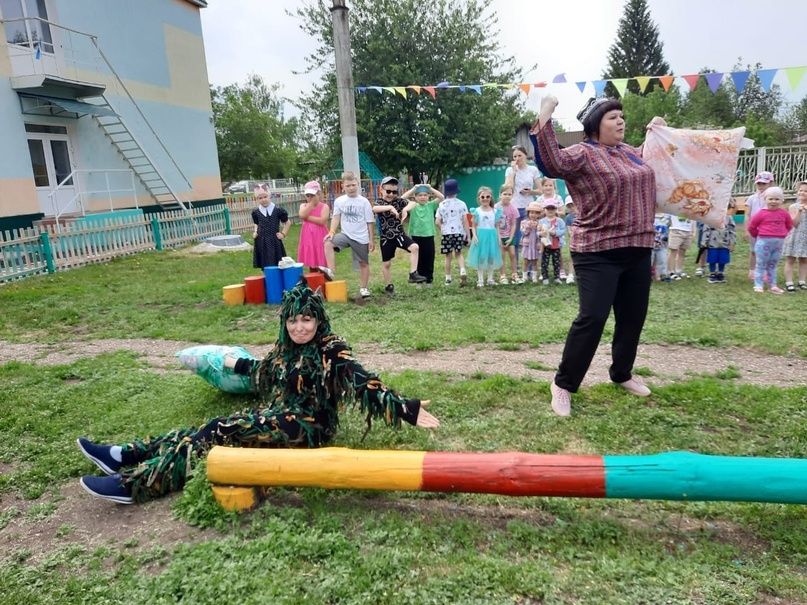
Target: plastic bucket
255,290
233,295
291,275
274,285
336,291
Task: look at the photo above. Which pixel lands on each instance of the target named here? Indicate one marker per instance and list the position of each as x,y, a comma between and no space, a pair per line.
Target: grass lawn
317,546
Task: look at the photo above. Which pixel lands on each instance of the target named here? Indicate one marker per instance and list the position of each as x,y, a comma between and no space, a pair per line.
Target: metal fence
51,248
788,165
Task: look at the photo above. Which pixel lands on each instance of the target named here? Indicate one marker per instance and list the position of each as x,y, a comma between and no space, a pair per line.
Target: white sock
116,452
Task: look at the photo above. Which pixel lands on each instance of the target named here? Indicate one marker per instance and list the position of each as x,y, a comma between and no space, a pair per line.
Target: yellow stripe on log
328,467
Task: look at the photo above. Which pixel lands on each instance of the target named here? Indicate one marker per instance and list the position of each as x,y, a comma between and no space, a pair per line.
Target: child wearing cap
315,215
753,204
452,218
421,226
531,241
552,231
769,227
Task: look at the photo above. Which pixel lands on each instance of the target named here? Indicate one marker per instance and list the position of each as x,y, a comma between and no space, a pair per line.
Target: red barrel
316,280
255,290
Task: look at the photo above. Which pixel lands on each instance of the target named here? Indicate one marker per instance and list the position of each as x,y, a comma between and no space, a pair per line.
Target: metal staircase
134,153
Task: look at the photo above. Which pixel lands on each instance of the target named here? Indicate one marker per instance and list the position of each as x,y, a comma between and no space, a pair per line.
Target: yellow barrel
336,291
234,295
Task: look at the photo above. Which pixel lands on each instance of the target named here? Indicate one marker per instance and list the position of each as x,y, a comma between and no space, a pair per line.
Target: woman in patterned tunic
268,235
302,383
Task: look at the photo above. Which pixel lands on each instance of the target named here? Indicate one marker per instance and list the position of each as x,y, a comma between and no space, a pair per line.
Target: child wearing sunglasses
485,254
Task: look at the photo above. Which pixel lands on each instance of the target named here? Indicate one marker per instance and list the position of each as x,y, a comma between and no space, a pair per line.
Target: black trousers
618,279
554,256
425,256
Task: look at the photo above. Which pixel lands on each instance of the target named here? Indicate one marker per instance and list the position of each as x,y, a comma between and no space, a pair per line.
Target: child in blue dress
485,254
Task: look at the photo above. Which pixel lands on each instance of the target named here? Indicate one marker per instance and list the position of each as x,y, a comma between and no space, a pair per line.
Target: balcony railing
40,49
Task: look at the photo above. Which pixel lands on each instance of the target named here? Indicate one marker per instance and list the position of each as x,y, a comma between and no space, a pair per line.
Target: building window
37,150
25,29
45,129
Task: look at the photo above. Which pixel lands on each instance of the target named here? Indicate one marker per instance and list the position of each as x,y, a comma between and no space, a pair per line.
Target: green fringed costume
302,388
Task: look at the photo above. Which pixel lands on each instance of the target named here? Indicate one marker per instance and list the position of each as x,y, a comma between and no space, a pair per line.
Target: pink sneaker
776,290
635,386
561,400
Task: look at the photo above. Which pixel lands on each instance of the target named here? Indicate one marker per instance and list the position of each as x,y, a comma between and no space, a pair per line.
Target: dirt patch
665,363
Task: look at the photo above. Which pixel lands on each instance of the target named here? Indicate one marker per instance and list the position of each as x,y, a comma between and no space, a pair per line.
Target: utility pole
344,87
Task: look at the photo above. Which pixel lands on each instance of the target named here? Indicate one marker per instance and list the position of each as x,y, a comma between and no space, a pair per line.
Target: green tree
754,100
637,50
252,136
703,109
401,42
639,110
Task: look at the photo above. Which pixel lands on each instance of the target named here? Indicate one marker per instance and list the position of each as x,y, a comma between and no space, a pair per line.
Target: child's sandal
790,287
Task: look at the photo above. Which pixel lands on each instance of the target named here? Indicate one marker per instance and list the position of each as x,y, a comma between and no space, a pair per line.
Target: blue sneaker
108,488
99,454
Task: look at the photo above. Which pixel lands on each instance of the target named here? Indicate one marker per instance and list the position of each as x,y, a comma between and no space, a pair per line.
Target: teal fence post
155,228
47,251
228,228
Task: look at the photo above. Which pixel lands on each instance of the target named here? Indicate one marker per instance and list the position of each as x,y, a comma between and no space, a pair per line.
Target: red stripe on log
514,474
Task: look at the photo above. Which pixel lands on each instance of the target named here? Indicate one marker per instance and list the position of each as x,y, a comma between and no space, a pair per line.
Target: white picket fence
46,249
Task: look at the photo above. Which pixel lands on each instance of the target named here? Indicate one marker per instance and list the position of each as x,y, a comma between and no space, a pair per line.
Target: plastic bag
208,362
695,170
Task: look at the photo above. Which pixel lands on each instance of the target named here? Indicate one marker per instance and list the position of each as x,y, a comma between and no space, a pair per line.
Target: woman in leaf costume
303,382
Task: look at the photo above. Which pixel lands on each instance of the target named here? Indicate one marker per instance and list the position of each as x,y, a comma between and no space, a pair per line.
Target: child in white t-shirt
354,214
452,218
680,240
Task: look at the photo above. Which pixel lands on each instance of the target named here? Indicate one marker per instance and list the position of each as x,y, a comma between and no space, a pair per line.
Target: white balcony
46,56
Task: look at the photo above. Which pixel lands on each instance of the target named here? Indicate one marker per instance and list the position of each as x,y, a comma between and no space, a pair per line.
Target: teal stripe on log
688,476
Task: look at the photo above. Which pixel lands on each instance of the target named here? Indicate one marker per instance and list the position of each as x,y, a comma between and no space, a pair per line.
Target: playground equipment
240,475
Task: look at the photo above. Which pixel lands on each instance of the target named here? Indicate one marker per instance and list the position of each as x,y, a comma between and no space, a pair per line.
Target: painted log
666,476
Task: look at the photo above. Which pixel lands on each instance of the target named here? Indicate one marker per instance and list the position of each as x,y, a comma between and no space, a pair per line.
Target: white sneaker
448,280
491,281
635,386
545,282
570,279
364,293
561,400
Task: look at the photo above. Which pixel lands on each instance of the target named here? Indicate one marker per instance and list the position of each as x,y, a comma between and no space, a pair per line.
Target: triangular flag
431,91
390,89
643,81
375,88
740,78
443,84
599,87
525,88
559,79
621,84
415,88
766,78
540,85
490,85
476,88
666,82
462,87
361,89
795,76
581,85
400,90
713,80
692,80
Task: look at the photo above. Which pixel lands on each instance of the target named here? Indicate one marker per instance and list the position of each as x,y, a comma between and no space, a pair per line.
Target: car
243,186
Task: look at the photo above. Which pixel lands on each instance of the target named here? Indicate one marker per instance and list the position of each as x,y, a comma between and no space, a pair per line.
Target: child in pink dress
314,214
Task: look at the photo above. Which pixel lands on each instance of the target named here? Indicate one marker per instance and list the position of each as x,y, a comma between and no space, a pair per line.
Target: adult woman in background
611,240
526,183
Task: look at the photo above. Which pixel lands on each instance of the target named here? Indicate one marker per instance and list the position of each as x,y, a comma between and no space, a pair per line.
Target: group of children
494,232
773,232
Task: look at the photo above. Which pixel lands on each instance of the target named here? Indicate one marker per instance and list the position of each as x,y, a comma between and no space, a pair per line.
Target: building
103,106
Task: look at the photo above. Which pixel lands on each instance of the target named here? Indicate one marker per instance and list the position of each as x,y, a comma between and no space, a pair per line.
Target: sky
569,36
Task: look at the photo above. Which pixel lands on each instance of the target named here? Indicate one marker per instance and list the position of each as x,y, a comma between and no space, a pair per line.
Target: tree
637,50
252,136
754,100
639,110
703,109
401,42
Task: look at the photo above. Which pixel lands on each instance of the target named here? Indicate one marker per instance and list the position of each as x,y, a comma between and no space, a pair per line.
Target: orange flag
525,88
415,88
692,80
666,82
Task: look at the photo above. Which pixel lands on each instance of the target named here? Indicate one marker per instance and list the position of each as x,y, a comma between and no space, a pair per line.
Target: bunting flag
714,80
599,87
766,78
740,78
692,80
795,77
621,84
666,82
643,81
